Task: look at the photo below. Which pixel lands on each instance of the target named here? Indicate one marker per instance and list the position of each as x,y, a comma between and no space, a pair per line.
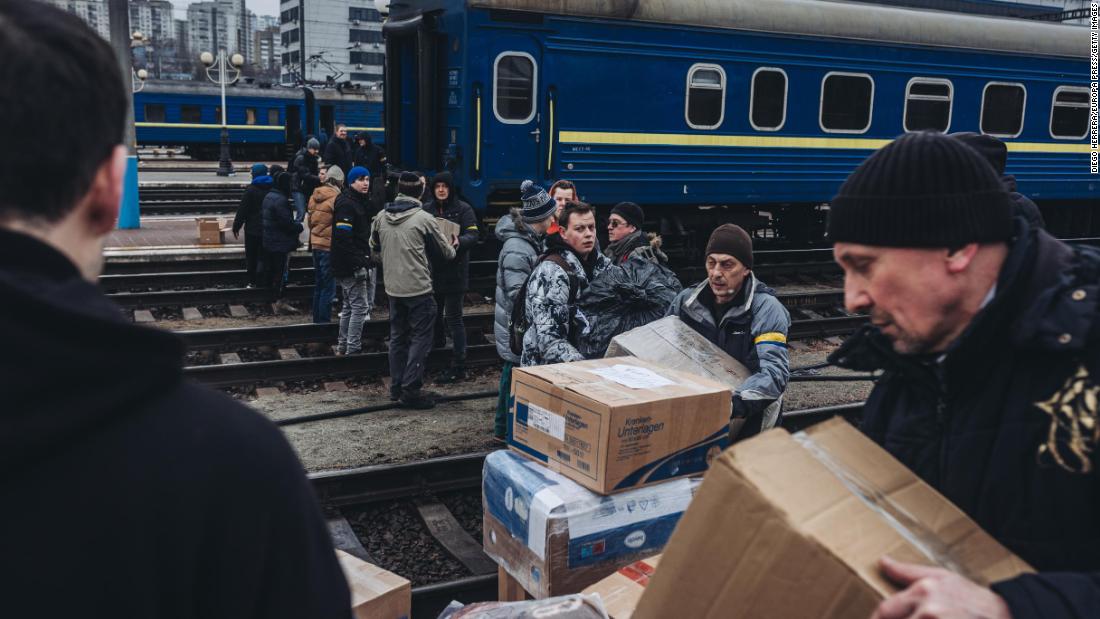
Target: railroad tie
449,533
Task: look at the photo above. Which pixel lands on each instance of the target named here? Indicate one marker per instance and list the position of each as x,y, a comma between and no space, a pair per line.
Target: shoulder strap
574,283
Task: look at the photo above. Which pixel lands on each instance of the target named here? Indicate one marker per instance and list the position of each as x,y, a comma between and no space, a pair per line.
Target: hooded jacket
250,210
553,321
520,248
174,500
338,152
322,206
280,230
401,236
351,233
646,246
453,276
370,156
305,173
753,331
1005,423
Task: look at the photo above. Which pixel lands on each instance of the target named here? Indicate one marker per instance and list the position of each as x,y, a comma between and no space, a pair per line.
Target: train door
512,144
327,120
293,126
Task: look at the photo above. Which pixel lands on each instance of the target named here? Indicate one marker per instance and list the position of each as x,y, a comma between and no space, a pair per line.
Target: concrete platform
167,234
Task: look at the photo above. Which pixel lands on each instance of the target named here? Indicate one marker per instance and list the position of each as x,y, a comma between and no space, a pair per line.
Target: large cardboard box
670,343
621,591
793,526
555,537
211,231
375,593
614,424
448,227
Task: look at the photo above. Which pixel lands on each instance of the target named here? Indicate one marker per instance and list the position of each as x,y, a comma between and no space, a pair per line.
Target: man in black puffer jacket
280,238
986,328
175,500
250,216
451,278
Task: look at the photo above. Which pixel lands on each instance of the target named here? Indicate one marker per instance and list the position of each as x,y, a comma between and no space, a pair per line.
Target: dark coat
990,425
1024,206
351,233
370,156
338,152
280,230
190,504
305,173
453,276
250,210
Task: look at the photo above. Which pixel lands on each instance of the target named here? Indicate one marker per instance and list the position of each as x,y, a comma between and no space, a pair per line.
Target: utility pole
118,12
302,38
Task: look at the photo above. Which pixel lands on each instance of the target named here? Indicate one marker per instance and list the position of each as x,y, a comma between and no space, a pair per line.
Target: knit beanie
313,143
922,190
335,174
731,240
357,173
409,184
537,204
631,212
259,169
990,148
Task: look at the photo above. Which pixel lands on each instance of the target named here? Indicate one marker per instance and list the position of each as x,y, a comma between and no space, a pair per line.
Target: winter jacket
520,248
338,152
1024,206
322,205
351,233
305,173
250,210
370,156
552,320
453,276
753,331
174,500
280,230
401,236
638,243
1004,424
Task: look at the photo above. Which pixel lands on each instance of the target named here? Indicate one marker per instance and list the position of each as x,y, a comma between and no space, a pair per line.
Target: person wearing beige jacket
321,207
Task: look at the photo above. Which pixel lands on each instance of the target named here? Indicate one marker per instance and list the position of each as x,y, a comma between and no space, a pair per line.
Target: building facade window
366,58
364,36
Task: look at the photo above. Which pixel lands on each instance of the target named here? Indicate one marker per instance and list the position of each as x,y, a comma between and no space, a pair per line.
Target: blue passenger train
264,123
741,110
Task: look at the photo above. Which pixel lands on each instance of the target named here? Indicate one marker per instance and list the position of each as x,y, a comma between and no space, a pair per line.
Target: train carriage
762,107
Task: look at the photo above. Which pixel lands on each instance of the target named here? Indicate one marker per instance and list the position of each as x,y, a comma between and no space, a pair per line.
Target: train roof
830,18
195,87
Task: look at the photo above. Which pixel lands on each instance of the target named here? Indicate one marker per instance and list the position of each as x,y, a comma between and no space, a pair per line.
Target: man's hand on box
936,593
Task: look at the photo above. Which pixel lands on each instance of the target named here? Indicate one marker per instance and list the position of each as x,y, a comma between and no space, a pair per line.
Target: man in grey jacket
520,233
741,315
402,235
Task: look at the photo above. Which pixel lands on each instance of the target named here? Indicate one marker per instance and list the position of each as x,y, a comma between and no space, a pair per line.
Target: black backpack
517,322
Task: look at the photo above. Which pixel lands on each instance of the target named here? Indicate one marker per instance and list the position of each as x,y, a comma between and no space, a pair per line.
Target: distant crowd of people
129,491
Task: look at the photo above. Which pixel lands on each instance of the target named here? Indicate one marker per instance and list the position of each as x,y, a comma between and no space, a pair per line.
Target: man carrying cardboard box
986,328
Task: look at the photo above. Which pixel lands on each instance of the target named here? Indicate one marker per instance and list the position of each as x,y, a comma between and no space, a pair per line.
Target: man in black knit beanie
985,328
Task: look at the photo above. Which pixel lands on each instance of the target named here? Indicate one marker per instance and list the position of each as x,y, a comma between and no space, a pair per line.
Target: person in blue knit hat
250,217
351,264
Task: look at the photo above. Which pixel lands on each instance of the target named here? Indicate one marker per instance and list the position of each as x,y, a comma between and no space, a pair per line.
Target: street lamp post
221,65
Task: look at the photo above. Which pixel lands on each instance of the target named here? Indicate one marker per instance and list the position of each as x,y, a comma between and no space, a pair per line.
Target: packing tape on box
906,525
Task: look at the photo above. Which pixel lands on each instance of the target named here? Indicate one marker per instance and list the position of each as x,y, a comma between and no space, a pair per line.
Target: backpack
517,322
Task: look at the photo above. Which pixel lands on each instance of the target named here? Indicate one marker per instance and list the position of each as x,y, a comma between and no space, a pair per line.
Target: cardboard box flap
375,592
620,379
672,344
859,502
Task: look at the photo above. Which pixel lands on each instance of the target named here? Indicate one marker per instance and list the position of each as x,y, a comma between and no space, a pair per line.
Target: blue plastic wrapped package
555,537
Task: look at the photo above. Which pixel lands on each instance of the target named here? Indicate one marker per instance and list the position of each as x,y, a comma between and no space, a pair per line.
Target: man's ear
958,260
103,200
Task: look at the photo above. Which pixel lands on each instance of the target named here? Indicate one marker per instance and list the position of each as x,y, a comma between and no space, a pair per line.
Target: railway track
422,482
189,207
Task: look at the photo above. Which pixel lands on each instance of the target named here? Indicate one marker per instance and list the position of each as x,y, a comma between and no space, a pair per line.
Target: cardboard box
670,343
448,227
615,424
793,526
622,590
555,537
375,593
211,231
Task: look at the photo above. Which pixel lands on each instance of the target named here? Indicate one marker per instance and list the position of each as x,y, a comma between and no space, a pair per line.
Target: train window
1069,113
154,113
705,103
273,117
847,101
1003,109
768,103
514,85
927,104
249,115
190,114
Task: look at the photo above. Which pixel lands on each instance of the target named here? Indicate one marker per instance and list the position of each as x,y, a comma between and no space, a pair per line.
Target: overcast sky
259,7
